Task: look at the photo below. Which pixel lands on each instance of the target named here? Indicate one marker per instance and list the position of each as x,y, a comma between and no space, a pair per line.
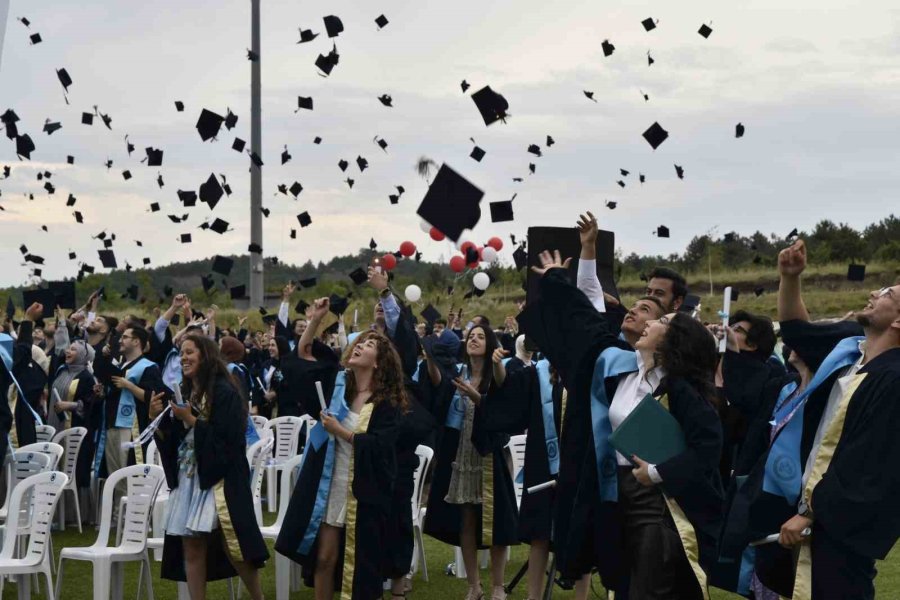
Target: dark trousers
658,567
838,573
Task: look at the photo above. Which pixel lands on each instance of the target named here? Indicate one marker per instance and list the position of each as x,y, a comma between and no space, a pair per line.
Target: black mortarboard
208,282
282,188
209,124
126,174
64,291
317,140
79,218
338,304
381,21
333,26
308,282
382,143
856,272
491,105
464,85
611,205
534,149
34,258
238,145
107,120
222,265
649,24
451,204
567,241
362,163
679,170
305,102
238,291
265,212
642,177
739,130
794,233
70,159
662,231
154,157
477,153
179,105
295,189
304,219
255,248
187,197
650,60
430,314
107,243
656,135
231,120
285,156
327,62
359,276
146,261
608,48
386,100
501,211
621,183
255,159
44,297
211,191
24,146
51,126
735,294
520,257
185,238
72,256
373,244
107,259
307,35
176,218
10,308
343,164
705,30
301,307
759,291
35,38
23,249
25,21
131,292
168,291
293,234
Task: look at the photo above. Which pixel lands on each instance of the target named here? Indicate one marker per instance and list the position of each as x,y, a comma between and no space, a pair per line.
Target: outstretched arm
791,263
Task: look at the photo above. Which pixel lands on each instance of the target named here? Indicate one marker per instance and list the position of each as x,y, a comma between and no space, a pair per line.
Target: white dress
336,511
190,511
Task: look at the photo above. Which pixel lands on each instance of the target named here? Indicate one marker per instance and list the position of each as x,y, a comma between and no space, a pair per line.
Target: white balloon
425,226
481,281
488,254
413,293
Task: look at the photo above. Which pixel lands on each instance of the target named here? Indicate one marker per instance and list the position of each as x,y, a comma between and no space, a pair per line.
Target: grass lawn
78,579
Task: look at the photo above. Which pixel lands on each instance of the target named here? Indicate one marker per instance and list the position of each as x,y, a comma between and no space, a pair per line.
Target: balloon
489,254
466,245
481,281
388,261
425,226
458,264
436,234
495,243
413,293
407,248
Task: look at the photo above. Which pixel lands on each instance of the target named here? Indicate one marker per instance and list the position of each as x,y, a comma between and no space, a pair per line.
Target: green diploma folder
650,432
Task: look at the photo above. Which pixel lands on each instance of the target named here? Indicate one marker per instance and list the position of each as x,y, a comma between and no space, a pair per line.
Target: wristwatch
804,510
385,292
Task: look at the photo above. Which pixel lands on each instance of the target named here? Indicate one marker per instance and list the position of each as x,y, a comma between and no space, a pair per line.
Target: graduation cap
621,183
373,244
317,140
386,100
211,191
168,291
342,164
208,283
179,106
705,30
611,205
381,21
238,145
208,124
231,120
362,163
126,174
333,26
491,105
265,212
154,157
44,297
759,291
35,38
739,130
308,282
304,219
25,21
566,240
146,261
650,60
608,48
238,291
338,304
794,233
285,156
185,238
662,231
430,314
649,24
79,218
51,126
222,265
10,118
107,259
679,170
295,189
72,256
301,307
255,248
131,292
534,149
532,168
24,146
464,85
293,234
502,211
64,291
282,188
70,159
219,226
10,308
107,120
735,294
655,135
307,35
451,204
642,177
358,276
382,143
856,272
327,62
304,102
550,141
187,197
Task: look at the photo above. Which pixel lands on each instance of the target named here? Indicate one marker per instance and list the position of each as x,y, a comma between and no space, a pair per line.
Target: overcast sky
816,86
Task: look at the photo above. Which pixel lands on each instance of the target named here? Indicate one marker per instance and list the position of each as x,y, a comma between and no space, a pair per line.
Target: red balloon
458,264
436,234
407,248
388,261
495,243
464,248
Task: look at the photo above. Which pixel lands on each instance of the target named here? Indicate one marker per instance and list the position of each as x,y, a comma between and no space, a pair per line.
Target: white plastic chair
23,465
143,483
159,503
284,567
259,422
257,455
425,455
44,433
51,449
516,447
70,439
286,431
38,495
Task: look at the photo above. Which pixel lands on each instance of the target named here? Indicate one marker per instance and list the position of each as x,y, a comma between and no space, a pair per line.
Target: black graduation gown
21,357
33,380
442,519
220,448
516,408
88,419
571,334
374,472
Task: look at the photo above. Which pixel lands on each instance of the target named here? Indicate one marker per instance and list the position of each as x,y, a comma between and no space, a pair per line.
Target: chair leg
59,576
423,564
102,576
61,510
140,580
271,488
77,507
49,578
146,563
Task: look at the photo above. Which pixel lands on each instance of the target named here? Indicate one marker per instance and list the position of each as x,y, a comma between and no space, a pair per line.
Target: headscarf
84,357
521,353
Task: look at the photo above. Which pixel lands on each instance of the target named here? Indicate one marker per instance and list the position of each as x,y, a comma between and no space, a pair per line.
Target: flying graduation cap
655,135
491,105
333,26
452,203
381,21
209,124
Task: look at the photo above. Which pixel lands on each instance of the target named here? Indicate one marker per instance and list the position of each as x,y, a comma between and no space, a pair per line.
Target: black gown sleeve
220,441
813,342
374,457
508,408
745,379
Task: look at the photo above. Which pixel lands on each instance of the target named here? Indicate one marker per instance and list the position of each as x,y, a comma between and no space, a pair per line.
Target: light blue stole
7,347
125,414
250,434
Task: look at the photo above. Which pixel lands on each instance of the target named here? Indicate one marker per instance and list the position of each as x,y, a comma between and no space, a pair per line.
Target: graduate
472,501
15,355
334,525
233,353
655,527
211,529
834,451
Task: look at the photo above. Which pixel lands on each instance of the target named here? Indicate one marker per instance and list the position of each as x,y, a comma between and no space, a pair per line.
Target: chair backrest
143,483
287,430
70,439
152,456
256,456
425,455
51,449
38,495
44,433
24,464
516,448
259,422
287,489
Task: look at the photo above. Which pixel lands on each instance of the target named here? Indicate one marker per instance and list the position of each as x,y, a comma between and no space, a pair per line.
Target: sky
815,86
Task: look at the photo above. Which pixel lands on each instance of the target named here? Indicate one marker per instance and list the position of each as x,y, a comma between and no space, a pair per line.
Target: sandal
499,593
475,593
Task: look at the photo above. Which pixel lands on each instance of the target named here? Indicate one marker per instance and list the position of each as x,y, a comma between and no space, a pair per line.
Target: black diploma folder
650,432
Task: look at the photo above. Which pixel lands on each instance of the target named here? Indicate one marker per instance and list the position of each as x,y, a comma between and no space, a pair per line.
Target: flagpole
257,288
4,11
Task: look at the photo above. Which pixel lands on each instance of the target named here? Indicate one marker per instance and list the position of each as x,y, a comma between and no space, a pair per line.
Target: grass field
77,584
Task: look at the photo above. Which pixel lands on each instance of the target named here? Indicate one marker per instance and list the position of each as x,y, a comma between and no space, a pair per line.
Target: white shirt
838,390
587,282
629,393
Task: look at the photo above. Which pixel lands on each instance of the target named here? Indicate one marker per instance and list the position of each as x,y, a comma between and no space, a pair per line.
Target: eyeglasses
886,292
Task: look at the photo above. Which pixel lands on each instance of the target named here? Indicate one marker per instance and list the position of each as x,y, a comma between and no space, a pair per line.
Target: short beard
863,320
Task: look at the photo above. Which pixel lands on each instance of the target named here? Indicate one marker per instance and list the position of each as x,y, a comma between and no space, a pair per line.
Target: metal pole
4,10
257,288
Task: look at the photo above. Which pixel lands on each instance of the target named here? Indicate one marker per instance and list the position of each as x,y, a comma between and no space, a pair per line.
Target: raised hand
792,260
320,308
588,229
551,261
378,279
498,355
287,290
34,312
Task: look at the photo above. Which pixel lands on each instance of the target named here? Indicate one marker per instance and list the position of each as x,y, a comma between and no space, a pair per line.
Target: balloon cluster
472,255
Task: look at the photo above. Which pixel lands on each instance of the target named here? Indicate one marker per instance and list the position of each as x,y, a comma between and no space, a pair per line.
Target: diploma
542,486
726,309
321,396
774,538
